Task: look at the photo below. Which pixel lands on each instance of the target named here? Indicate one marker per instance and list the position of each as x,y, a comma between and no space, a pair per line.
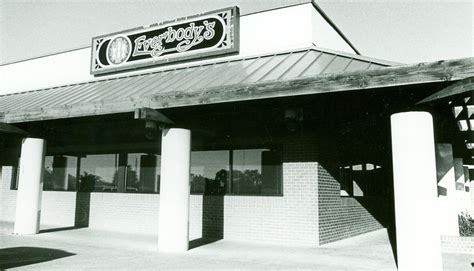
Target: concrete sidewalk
86,249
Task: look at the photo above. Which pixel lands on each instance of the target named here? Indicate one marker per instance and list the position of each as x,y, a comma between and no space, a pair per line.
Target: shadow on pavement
60,229
202,241
20,256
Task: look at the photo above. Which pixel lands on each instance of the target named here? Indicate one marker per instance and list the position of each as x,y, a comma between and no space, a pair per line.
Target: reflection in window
143,173
99,173
60,173
238,172
256,171
209,172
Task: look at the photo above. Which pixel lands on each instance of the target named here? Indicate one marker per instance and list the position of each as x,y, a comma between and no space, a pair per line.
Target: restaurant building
240,127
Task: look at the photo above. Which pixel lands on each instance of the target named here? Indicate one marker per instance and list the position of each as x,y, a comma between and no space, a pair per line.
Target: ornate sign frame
199,36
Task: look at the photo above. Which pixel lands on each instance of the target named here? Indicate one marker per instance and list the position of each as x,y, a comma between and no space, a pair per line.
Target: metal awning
299,72
191,79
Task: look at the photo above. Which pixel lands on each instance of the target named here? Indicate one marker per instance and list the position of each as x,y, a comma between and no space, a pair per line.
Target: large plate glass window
99,173
143,173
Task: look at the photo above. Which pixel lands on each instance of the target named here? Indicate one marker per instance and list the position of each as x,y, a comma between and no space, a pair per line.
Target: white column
448,208
415,191
173,234
30,186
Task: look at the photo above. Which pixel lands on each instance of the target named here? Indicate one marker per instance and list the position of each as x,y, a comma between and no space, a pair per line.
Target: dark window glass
15,177
256,171
60,173
99,173
143,173
14,180
209,172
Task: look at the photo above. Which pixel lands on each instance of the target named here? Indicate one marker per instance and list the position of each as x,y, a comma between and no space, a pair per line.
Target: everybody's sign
204,35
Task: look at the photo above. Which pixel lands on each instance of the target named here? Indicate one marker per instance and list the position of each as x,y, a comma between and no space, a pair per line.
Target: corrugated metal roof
191,79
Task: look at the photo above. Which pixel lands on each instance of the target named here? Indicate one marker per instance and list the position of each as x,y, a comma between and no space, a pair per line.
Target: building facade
286,141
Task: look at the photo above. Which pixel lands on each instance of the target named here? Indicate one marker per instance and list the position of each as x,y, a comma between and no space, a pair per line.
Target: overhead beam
10,129
439,71
151,114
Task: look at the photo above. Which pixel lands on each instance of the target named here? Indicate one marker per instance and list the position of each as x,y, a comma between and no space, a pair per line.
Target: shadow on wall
81,215
377,200
212,221
21,256
83,206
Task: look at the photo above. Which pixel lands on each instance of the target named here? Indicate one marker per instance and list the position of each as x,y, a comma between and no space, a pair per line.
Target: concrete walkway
86,249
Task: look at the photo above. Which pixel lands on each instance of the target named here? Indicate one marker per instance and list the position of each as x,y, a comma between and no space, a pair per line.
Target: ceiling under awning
459,97
463,87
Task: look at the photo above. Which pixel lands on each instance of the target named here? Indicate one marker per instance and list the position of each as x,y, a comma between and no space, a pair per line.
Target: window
237,172
60,173
219,172
143,173
256,171
209,172
99,173
15,177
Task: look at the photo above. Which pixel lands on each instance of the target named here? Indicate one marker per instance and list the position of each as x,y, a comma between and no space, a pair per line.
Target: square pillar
173,234
30,186
447,195
415,192
462,197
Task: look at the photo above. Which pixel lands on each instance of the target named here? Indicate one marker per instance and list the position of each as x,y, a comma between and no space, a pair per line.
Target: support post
30,186
173,234
462,199
448,209
414,180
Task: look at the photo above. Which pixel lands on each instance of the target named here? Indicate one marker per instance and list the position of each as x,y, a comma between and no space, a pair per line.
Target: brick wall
7,196
57,209
457,244
290,219
340,218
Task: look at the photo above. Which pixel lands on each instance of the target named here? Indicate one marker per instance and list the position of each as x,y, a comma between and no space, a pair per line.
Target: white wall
276,30
325,36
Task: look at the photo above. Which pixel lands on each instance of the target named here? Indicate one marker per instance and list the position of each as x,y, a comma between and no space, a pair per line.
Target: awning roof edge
186,65
439,71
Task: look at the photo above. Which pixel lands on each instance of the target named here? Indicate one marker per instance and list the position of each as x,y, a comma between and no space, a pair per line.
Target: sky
401,31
